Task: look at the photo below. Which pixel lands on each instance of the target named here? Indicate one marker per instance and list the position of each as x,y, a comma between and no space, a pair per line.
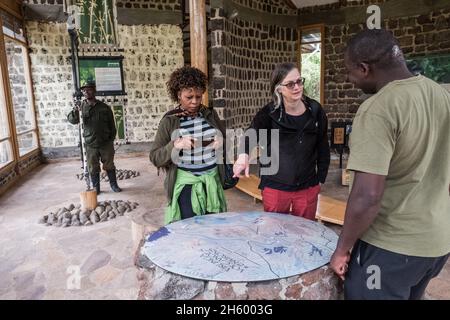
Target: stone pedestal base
156,283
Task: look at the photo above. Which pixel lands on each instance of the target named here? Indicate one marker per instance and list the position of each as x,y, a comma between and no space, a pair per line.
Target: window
311,60
6,155
19,83
18,132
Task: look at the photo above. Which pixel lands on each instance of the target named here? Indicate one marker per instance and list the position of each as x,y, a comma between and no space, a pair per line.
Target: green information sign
107,72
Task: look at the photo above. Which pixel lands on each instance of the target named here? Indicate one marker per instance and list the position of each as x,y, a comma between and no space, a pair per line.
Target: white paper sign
108,79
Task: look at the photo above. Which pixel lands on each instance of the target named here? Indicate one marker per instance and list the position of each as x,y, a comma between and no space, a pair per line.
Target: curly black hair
185,78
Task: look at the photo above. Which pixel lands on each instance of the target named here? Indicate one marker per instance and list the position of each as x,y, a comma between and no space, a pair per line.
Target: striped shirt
200,159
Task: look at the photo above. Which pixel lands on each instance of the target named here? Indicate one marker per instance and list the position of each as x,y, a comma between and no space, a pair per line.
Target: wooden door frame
301,30
8,100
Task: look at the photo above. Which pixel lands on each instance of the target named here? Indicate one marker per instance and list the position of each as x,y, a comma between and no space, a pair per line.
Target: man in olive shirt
397,223
99,132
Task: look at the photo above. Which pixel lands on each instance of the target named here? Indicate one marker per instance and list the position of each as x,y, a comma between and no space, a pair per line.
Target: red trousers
302,203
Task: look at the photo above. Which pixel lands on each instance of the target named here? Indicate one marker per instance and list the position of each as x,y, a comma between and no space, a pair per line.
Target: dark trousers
185,203
105,154
375,273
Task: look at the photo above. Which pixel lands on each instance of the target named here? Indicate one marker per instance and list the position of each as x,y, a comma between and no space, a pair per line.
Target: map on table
241,247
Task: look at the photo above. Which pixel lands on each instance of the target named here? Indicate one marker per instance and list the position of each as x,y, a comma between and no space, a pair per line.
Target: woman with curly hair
187,147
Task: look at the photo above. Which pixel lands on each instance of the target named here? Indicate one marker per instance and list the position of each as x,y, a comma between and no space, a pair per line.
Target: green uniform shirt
98,119
403,133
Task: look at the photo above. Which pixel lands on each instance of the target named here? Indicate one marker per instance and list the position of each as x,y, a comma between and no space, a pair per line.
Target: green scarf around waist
212,202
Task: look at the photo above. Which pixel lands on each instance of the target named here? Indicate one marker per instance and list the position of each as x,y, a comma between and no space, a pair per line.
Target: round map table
248,255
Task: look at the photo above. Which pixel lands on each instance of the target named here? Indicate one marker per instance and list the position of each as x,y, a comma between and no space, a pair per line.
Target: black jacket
304,155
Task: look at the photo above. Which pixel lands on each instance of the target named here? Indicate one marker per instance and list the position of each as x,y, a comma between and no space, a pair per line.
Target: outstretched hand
241,164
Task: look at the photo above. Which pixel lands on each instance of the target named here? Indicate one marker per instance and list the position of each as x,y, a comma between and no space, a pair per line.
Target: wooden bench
328,209
250,186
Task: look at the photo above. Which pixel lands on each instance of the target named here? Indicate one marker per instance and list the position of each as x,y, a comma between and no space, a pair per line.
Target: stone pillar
218,83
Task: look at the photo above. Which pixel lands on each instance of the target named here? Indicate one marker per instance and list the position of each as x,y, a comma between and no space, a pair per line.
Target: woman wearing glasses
302,152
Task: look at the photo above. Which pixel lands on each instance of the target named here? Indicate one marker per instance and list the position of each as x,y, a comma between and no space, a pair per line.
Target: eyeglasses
291,84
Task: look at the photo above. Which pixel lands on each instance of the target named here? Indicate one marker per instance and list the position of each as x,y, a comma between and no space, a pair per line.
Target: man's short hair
375,46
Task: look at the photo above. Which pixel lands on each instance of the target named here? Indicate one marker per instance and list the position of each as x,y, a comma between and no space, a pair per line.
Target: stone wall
51,71
6,179
269,6
340,4
44,1
23,167
151,54
418,35
244,54
156,283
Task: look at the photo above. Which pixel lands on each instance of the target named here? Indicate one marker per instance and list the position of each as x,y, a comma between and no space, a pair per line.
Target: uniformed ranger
99,133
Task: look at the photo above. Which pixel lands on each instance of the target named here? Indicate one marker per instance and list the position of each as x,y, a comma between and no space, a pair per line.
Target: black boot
95,179
113,180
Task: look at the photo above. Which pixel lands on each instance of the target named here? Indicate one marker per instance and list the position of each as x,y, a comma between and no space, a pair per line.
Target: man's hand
184,143
241,164
339,263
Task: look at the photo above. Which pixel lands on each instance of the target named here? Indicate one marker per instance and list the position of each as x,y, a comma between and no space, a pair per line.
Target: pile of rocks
120,174
74,216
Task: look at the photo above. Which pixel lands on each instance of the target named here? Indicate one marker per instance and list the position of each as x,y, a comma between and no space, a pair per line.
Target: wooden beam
44,12
197,18
130,16
12,7
390,9
248,14
290,4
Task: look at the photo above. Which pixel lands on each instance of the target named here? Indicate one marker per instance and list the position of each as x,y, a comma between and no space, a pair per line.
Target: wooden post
88,199
199,58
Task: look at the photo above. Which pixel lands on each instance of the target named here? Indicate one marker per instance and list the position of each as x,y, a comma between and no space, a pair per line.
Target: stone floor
95,262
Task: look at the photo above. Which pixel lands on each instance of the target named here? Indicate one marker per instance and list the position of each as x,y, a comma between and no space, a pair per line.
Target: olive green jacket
161,149
98,119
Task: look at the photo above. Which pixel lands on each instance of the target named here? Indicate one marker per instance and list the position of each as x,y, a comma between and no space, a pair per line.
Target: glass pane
311,62
5,153
8,23
20,87
18,31
12,26
4,125
311,35
27,142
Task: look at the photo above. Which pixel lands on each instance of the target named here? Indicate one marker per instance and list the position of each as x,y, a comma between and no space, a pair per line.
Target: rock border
73,215
121,174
